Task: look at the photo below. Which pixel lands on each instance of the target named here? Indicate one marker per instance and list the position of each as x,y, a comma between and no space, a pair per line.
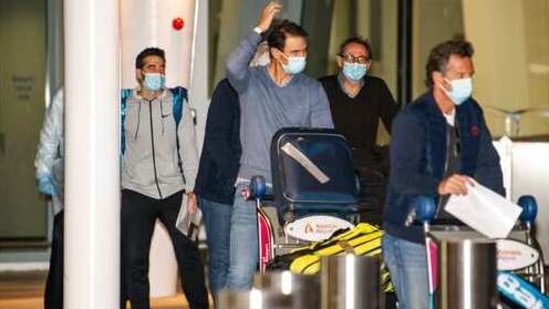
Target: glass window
511,41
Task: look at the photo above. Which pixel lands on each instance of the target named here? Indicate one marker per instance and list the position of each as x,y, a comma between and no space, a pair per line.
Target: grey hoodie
150,161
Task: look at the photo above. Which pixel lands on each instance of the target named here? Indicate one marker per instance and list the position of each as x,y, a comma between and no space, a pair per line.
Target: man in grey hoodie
160,162
271,97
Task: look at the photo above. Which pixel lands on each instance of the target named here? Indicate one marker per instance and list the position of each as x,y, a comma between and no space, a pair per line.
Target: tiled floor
24,290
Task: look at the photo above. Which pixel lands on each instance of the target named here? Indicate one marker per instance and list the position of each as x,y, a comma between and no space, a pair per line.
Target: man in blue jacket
216,177
440,142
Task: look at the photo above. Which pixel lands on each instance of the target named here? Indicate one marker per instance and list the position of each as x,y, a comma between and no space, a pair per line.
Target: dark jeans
53,295
139,213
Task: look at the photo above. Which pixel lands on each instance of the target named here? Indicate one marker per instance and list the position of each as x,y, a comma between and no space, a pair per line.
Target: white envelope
186,222
485,211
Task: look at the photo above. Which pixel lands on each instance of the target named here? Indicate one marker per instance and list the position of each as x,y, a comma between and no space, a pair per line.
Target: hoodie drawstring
162,115
138,120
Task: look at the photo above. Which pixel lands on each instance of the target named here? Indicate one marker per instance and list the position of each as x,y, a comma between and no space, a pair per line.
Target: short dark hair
440,54
149,51
280,30
358,40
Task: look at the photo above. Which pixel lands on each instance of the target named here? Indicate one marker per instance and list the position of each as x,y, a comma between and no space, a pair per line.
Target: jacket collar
137,89
468,127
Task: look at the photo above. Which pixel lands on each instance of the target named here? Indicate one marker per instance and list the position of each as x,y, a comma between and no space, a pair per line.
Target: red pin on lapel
475,131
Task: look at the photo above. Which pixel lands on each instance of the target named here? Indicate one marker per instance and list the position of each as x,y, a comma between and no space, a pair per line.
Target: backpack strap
179,97
124,95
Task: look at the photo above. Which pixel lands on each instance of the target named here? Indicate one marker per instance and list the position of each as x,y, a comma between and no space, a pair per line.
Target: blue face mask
354,71
154,81
295,65
461,90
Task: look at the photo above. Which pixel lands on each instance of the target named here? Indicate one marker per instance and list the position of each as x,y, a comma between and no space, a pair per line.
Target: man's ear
139,75
340,61
278,55
274,52
369,64
438,79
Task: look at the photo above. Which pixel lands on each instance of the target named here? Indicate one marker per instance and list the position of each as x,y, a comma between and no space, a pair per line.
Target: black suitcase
312,172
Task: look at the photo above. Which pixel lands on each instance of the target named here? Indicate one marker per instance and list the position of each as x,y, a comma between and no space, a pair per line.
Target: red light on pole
178,23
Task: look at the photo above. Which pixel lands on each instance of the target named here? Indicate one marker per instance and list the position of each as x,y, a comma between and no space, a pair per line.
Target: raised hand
268,14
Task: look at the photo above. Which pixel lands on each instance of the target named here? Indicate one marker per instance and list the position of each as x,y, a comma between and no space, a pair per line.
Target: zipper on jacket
439,204
153,151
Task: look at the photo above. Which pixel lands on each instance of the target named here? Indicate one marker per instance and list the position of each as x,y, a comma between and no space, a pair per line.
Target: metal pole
350,282
404,83
467,273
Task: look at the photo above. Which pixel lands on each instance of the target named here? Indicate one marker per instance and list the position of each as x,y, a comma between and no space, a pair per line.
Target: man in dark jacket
217,173
439,143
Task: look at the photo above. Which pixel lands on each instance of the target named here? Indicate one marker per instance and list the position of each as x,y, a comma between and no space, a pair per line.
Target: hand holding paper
455,184
188,221
485,211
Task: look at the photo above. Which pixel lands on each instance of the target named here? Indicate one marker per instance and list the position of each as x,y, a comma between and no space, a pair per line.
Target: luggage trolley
520,266
315,191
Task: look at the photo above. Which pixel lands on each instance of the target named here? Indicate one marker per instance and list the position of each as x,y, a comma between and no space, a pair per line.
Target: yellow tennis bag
363,239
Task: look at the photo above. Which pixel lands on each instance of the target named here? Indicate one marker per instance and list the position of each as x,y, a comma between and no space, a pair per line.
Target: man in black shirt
357,102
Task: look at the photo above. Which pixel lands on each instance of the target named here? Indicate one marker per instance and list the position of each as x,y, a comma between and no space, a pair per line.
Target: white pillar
149,23
198,88
92,198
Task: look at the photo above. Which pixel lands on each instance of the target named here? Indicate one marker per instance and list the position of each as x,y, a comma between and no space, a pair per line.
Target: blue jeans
244,243
217,218
407,263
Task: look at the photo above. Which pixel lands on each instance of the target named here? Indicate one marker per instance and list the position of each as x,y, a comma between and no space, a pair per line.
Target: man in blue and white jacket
271,97
160,162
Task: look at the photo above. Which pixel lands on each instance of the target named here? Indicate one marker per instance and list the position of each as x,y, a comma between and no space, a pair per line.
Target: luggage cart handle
423,210
529,208
257,190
